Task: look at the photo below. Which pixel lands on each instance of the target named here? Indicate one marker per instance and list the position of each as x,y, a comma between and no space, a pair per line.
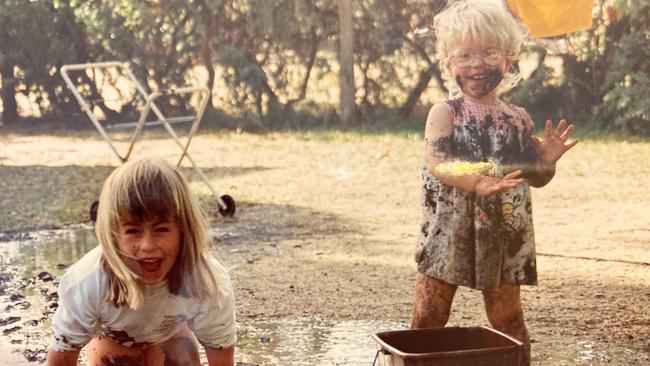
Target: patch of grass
409,128
69,211
388,125
609,136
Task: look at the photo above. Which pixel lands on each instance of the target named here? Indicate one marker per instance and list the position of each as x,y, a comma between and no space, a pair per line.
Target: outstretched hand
554,145
491,185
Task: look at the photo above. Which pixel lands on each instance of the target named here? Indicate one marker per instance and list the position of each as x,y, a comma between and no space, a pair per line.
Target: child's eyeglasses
465,58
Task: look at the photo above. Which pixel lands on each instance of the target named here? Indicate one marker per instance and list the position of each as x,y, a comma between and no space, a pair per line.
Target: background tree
394,49
37,38
268,62
625,82
159,39
347,104
603,82
272,63
7,64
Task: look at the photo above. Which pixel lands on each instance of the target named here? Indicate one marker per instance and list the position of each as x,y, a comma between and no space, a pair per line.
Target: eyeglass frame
502,56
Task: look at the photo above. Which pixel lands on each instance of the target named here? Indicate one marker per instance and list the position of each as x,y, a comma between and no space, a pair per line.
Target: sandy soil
326,227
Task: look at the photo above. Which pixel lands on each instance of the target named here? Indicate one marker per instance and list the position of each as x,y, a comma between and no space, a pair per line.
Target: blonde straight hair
484,22
135,191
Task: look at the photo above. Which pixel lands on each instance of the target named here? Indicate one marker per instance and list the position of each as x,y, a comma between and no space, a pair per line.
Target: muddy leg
181,350
433,298
503,307
103,351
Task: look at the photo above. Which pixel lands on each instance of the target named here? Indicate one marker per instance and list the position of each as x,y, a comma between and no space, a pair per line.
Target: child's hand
491,185
554,144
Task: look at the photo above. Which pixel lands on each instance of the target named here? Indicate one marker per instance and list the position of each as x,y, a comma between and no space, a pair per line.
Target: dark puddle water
31,264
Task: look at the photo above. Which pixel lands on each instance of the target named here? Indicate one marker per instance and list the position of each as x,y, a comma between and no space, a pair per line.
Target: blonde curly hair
483,22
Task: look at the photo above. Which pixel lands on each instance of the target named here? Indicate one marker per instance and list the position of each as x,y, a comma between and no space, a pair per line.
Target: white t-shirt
83,314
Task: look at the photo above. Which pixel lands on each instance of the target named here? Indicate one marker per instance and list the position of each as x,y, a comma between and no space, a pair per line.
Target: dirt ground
326,227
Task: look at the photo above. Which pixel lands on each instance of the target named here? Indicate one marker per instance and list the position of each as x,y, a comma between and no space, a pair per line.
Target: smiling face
149,247
478,70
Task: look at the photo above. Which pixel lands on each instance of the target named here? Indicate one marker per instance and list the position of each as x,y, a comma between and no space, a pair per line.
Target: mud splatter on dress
480,242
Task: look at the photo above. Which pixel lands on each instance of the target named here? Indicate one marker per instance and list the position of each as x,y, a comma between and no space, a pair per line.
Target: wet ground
32,262
324,234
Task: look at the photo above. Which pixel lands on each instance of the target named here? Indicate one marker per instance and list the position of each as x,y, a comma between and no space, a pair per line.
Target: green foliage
626,85
604,83
269,50
38,37
159,38
277,59
627,104
538,94
392,59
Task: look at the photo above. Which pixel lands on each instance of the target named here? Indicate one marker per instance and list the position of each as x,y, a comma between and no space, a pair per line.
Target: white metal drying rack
226,203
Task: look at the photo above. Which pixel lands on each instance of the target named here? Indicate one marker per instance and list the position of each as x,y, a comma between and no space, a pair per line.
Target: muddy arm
437,138
439,162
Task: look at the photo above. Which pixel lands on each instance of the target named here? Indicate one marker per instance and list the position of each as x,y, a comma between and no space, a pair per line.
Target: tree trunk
311,60
346,62
210,19
9,105
423,81
206,54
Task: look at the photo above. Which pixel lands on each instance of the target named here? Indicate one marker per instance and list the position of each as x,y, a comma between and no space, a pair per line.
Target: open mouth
150,265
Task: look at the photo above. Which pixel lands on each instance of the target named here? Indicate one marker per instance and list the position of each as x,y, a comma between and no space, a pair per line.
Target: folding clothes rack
226,203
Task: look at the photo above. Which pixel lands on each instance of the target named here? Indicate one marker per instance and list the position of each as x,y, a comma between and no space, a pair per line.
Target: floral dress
481,242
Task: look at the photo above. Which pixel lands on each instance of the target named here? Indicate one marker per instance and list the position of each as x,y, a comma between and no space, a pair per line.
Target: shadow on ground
46,197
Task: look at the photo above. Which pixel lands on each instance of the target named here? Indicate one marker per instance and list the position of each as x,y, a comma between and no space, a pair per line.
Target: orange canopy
547,18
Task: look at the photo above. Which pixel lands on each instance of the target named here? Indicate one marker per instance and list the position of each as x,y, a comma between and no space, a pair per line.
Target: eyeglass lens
465,58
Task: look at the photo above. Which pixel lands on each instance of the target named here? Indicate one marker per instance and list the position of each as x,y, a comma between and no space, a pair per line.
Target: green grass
390,125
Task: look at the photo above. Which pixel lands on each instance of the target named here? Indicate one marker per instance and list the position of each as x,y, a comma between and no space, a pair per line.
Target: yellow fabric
547,18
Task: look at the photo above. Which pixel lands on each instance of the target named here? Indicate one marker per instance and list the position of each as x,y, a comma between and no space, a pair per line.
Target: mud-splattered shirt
480,242
83,314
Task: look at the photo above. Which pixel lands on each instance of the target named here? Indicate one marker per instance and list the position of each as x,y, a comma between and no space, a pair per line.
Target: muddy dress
481,242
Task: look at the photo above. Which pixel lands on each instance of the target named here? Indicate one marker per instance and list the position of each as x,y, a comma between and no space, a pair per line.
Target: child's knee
181,351
105,352
502,320
503,307
433,300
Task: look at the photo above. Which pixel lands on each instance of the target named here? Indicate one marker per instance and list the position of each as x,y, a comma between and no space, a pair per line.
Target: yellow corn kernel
467,168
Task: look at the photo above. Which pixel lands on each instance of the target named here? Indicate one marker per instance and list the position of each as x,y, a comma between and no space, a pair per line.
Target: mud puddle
307,342
32,262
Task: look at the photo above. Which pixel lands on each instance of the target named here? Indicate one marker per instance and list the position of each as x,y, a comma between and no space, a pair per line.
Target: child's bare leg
503,307
181,349
433,298
103,351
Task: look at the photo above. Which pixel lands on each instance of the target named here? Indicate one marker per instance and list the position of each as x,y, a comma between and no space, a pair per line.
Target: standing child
150,292
477,228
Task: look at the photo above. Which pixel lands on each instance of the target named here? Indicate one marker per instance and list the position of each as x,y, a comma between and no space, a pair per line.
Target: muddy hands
490,185
555,144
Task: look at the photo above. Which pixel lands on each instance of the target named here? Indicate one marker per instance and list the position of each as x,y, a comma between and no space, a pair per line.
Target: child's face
477,69
150,248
